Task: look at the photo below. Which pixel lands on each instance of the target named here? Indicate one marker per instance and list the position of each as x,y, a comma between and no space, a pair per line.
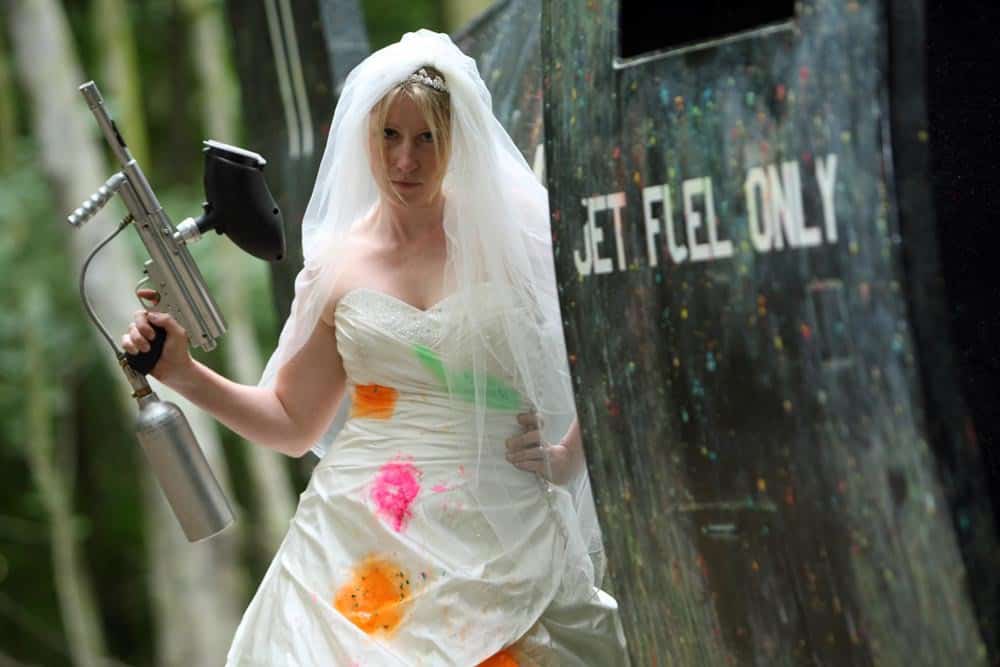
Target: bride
450,519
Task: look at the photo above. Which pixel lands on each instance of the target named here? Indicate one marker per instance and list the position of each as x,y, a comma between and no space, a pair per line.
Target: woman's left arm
559,462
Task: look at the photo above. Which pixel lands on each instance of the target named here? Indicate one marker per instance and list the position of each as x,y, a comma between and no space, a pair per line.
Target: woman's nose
404,159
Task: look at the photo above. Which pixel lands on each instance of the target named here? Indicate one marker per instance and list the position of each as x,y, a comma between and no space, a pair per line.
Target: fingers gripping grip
144,362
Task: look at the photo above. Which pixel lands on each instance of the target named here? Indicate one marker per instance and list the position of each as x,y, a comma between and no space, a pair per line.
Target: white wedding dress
390,561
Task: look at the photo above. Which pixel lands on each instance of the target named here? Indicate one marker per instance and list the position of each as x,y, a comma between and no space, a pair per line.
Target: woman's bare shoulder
350,272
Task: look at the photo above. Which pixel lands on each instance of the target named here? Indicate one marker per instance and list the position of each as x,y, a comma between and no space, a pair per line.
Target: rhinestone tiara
435,82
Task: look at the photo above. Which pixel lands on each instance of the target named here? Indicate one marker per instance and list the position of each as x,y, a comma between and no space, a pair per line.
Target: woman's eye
389,133
427,136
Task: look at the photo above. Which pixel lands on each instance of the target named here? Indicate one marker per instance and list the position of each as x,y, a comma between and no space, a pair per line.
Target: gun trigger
148,306
139,285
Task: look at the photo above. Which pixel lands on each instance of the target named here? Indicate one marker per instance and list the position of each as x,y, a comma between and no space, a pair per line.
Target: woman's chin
412,195
418,197
415,196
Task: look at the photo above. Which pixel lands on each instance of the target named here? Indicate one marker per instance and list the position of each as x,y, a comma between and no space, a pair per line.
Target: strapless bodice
400,361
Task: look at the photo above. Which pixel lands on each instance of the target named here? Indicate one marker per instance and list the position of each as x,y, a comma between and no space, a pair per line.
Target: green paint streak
499,394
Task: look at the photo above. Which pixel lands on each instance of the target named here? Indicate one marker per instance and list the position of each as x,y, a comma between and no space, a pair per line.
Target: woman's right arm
288,418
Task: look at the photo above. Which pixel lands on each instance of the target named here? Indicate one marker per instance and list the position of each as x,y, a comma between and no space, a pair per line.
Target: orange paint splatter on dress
501,659
375,597
373,401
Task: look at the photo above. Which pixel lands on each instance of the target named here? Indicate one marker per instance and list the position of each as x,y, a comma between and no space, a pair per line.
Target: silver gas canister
181,468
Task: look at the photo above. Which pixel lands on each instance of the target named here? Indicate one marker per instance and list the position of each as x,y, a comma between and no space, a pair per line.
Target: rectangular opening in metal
650,27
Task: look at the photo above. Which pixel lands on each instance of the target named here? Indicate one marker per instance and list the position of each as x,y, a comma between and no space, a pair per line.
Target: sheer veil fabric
496,222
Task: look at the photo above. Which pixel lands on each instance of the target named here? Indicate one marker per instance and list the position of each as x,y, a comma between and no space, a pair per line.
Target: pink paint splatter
395,488
440,488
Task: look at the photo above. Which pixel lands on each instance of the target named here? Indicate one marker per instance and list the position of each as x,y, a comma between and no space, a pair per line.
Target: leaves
39,291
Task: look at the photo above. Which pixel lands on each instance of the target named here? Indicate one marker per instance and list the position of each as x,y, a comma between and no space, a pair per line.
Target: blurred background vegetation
82,560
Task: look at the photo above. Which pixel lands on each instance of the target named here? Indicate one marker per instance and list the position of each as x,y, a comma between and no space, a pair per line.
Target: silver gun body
171,270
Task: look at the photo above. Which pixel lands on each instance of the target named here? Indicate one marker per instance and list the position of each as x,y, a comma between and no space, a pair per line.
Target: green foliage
33,253
387,20
38,300
92,435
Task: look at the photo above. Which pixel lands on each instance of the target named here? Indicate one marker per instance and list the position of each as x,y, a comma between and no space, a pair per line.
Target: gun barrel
114,138
171,266
91,94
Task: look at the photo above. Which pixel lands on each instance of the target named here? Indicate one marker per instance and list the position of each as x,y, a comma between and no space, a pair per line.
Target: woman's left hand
528,452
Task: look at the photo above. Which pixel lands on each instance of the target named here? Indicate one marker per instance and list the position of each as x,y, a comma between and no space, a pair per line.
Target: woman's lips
405,185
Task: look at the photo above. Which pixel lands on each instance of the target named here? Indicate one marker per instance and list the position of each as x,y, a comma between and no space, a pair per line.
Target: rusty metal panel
728,242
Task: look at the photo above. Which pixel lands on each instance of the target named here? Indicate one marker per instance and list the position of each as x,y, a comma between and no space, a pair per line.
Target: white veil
496,222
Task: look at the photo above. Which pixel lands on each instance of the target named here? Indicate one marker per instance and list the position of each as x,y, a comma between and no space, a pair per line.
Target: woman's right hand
176,357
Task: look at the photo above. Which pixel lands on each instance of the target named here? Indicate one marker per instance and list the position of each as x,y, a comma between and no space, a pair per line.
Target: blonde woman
450,519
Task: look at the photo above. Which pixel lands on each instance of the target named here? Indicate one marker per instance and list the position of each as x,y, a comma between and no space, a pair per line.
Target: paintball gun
237,204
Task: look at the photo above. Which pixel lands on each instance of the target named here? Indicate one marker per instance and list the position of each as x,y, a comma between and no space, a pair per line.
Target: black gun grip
144,362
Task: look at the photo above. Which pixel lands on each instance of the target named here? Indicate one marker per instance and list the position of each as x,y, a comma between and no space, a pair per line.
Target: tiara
436,82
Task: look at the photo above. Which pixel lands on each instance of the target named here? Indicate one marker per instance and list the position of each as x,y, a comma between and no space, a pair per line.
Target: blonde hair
434,106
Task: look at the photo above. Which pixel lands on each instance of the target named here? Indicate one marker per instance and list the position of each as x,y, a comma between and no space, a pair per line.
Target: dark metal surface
784,466
752,402
944,214
291,58
505,44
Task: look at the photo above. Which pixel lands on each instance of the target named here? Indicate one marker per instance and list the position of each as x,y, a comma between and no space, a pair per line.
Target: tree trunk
81,621
119,72
78,611
8,129
220,117
197,587
213,65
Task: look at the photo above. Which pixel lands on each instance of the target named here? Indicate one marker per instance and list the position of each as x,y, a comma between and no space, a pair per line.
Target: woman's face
411,154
